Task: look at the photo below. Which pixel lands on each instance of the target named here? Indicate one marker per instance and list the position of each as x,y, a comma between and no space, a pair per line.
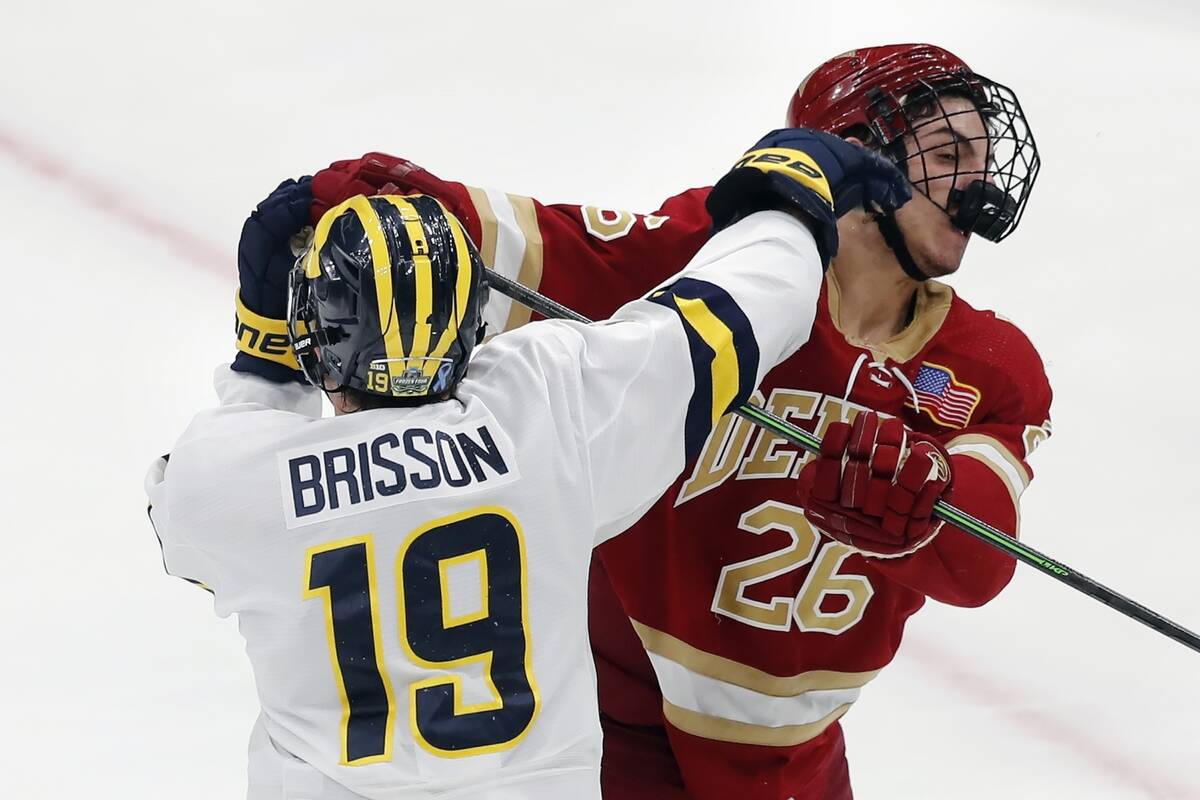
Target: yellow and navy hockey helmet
388,299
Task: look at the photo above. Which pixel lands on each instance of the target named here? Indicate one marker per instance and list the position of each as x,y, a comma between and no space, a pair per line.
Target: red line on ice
121,206
116,202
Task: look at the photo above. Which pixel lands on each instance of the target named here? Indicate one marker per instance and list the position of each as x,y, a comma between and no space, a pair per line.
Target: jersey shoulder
532,373
991,340
988,360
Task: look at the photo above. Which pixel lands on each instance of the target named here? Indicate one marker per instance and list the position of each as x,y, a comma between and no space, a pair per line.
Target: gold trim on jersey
933,303
970,446
530,275
727,730
489,225
733,672
722,453
1001,449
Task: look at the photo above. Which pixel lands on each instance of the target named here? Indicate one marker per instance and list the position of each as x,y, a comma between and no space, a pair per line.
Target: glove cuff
746,190
263,338
270,370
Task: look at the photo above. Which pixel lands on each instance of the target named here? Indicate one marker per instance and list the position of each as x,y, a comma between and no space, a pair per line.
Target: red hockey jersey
738,635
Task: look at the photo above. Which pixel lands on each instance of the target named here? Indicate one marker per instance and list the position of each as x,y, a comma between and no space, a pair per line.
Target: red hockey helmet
883,93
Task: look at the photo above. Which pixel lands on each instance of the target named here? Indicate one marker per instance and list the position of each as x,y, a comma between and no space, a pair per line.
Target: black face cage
989,163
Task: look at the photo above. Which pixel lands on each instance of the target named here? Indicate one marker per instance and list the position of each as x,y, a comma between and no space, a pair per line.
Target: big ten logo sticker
607,224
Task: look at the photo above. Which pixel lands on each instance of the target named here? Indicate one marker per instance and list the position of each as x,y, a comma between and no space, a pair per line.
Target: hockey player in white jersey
410,574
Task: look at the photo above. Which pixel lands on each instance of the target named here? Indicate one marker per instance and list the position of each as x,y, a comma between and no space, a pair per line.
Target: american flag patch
947,401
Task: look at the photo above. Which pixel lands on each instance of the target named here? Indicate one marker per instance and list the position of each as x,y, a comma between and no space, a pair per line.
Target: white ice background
135,136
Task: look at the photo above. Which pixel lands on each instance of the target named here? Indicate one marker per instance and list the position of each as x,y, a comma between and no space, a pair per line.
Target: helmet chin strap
895,240
897,153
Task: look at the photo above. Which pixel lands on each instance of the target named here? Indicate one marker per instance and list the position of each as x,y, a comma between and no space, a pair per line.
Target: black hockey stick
943,511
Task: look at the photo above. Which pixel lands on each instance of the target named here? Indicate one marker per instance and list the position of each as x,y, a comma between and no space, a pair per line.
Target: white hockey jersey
411,583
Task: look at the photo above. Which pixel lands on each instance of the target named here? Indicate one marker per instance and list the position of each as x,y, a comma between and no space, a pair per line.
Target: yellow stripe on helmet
422,274
389,321
717,335
312,259
385,295
463,283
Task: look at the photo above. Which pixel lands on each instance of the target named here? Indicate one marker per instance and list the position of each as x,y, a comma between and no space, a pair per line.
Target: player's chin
944,255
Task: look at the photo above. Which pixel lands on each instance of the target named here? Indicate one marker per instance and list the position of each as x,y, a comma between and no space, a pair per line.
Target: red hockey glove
368,175
374,173
874,485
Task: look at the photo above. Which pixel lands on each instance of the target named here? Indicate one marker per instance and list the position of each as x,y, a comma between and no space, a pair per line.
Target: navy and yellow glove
816,174
265,260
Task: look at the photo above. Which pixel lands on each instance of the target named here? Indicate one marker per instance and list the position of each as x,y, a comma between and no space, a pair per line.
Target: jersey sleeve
180,558
644,388
591,259
990,463
251,409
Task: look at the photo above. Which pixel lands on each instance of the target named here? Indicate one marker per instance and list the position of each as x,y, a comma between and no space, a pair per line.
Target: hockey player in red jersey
730,634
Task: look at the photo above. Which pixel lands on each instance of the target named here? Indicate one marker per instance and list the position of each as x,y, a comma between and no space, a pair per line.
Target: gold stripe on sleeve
488,225
717,335
530,275
1001,449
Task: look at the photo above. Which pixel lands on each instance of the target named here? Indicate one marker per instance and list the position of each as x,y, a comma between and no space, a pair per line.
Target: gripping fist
874,485
376,173
817,174
341,180
265,260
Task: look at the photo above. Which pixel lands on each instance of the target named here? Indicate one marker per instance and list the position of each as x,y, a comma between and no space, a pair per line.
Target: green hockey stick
943,511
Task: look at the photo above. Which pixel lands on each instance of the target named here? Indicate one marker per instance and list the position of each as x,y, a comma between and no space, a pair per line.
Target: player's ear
340,400
856,140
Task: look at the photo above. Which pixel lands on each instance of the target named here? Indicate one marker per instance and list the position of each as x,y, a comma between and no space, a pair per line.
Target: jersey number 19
496,636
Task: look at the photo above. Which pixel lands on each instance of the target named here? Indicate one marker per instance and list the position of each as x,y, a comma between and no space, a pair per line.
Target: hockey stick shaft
941,510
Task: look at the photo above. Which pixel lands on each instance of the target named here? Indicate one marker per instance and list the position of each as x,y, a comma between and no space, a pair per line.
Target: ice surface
134,137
